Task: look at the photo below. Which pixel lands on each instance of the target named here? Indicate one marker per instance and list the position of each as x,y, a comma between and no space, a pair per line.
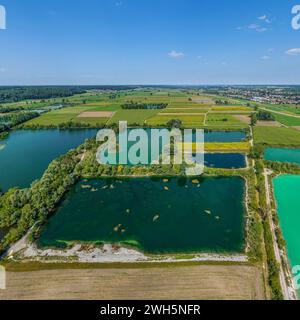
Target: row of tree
14,94
149,106
7,121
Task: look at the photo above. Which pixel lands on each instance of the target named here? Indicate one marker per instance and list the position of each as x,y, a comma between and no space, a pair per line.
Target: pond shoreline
109,253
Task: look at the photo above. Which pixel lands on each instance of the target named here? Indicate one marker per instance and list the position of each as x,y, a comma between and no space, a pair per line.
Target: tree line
149,106
15,94
8,121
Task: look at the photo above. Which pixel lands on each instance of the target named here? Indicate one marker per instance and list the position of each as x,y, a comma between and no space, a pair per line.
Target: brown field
203,101
171,282
96,104
96,114
268,124
242,118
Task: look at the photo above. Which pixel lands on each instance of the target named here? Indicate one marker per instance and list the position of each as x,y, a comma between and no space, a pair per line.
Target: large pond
154,215
25,154
283,155
286,188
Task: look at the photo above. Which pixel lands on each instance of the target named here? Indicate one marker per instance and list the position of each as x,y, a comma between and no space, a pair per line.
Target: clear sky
149,42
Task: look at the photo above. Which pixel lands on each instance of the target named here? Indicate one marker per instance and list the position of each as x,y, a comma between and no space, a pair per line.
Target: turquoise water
154,215
287,190
283,155
26,154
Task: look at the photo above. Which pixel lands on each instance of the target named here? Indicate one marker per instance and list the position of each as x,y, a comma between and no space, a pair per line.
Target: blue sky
149,42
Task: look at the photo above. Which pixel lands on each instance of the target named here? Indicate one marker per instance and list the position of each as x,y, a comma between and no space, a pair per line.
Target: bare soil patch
268,124
297,128
96,114
203,101
242,118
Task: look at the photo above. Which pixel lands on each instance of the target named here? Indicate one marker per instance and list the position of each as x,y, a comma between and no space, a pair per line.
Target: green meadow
277,136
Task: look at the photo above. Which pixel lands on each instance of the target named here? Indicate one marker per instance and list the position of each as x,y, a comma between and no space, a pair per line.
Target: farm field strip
220,146
277,136
172,282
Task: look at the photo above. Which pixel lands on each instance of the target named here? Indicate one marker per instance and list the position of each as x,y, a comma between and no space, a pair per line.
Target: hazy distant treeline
14,94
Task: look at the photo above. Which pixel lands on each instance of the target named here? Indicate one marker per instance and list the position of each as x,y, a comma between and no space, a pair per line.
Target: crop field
183,110
288,109
132,116
221,146
75,114
286,120
277,136
138,282
231,108
191,121
187,105
223,120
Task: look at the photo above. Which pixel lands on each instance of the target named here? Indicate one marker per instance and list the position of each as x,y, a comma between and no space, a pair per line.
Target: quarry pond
154,215
26,154
283,155
286,189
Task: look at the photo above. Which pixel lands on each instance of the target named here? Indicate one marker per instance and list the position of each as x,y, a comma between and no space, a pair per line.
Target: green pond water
26,154
283,155
156,216
287,190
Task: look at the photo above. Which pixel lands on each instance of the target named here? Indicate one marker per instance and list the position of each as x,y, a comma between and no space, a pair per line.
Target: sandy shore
110,253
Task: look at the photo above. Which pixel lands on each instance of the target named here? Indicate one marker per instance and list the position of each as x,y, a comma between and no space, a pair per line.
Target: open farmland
183,110
138,282
288,121
132,116
231,108
76,114
222,120
220,146
277,136
188,121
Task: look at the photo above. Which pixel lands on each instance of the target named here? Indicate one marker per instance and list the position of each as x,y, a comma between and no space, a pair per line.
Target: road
288,292
282,113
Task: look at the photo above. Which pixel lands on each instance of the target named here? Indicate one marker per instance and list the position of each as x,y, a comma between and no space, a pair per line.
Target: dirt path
282,113
205,117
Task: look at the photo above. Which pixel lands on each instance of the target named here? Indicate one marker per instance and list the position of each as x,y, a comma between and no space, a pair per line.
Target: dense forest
15,94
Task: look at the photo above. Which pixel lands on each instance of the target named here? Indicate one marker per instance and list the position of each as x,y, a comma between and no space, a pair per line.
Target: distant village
273,95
